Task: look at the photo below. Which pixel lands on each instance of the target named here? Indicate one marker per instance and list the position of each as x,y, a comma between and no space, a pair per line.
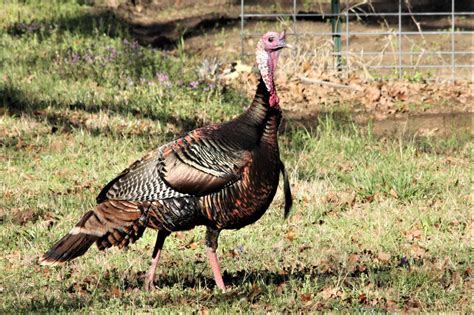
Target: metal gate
436,45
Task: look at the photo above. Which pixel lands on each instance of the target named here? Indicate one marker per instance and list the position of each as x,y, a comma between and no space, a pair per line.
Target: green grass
378,224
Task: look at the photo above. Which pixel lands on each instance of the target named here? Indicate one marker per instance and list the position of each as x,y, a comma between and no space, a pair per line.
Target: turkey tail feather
72,245
111,223
287,190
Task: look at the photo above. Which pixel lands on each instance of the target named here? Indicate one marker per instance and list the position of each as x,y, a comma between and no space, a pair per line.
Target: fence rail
450,53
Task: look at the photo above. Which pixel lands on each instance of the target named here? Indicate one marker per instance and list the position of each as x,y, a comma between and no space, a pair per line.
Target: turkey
223,176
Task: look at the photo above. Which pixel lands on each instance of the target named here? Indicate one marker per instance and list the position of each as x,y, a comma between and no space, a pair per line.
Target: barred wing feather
192,165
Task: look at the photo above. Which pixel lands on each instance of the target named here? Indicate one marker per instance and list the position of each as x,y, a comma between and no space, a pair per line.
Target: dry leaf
280,288
115,291
417,251
393,193
353,258
328,293
372,93
291,235
193,245
306,66
413,234
306,297
384,257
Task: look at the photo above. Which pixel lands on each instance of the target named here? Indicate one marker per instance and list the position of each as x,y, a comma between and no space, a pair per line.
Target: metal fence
435,45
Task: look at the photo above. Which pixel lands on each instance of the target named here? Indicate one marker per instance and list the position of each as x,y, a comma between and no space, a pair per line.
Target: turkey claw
149,284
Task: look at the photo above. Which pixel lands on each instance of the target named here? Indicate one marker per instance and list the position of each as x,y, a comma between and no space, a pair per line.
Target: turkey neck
261,115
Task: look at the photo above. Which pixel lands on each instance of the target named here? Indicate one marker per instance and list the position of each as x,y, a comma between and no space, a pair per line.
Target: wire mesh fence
392,39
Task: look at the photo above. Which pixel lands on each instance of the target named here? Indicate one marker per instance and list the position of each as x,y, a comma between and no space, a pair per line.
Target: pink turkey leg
150,276
216,269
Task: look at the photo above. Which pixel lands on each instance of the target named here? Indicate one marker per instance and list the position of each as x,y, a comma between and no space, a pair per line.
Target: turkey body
223,176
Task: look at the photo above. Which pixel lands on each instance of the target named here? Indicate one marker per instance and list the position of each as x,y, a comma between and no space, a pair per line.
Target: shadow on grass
245,285
94,22
49,306
242,277
17,102
99,21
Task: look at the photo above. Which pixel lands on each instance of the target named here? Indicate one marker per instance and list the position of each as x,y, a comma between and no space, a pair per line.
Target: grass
378,224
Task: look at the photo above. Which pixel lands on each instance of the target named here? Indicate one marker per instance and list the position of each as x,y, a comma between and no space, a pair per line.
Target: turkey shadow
242,284
242,281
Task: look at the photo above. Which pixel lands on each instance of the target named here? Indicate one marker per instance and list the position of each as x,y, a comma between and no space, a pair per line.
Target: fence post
453,29
242,19
336,31
400,56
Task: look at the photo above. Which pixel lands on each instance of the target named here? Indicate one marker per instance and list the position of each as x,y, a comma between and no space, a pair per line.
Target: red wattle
274,100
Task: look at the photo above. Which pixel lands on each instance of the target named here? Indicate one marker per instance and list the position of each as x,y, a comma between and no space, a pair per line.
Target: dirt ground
308,83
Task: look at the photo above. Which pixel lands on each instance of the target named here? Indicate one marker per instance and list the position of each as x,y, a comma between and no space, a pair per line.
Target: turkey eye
270,39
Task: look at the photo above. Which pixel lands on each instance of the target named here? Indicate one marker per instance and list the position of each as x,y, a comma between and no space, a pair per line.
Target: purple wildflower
75,58
112,54
132,45
194,84
240,249
162,77
209,87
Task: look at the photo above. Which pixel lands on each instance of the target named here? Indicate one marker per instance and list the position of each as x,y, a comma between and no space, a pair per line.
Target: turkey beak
282,43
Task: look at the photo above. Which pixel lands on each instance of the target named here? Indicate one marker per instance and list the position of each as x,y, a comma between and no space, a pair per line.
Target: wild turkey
223,176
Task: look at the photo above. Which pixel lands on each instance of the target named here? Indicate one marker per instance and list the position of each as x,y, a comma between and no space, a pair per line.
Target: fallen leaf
291,235
456,279
391,304
193,245
361,268
180,235
417,251
372,93
115,291
306,66
353,258
384,257
280,288
327,293
393,193
363,298
413,234
468,272
306,297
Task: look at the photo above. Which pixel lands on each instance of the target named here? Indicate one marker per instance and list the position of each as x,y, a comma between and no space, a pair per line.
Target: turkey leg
150,276
211,243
